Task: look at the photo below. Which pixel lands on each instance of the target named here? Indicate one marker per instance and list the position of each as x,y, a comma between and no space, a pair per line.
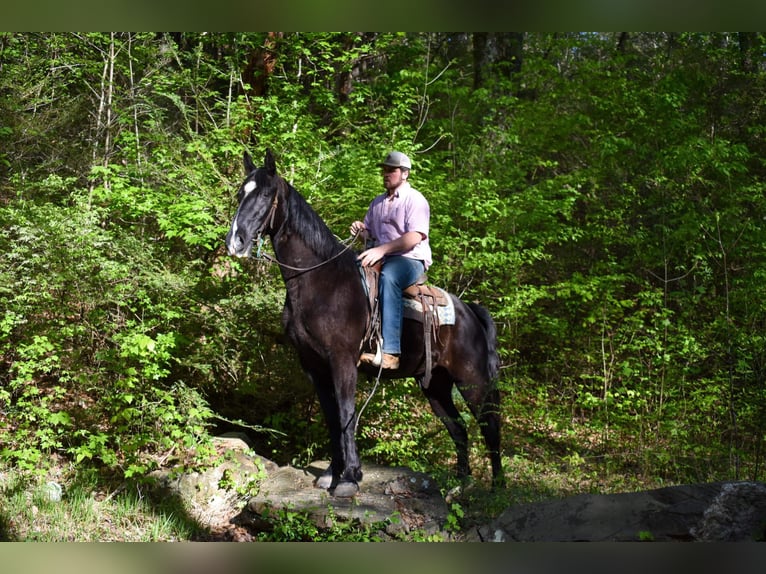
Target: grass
87,512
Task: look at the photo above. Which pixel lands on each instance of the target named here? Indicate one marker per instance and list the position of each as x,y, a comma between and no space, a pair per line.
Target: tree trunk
496,54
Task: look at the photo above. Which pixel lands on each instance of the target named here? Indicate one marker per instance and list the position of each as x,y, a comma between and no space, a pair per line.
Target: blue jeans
397,274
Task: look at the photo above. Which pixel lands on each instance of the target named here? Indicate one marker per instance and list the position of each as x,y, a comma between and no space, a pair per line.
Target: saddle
427,300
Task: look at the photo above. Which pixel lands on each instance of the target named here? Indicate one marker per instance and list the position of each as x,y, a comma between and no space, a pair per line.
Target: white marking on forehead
249,186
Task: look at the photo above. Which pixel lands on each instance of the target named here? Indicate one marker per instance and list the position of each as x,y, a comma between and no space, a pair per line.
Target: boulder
726,511
219,499
211,497
398,498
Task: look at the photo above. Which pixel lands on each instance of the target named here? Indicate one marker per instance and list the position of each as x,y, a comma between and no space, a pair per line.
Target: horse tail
493,359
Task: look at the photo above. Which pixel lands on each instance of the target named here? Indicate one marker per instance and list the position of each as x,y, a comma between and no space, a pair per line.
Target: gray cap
397,159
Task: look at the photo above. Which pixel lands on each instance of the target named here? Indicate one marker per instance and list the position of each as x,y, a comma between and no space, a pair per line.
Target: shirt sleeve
418,214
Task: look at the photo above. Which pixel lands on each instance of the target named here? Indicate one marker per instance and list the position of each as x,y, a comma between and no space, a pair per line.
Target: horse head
258,198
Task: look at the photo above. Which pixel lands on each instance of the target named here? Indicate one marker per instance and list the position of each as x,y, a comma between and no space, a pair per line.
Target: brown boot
390,362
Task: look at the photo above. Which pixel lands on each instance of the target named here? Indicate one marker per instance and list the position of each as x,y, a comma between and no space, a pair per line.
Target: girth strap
429,299
427,318
370,277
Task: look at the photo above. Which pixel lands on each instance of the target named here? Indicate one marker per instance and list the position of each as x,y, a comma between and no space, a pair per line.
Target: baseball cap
397,159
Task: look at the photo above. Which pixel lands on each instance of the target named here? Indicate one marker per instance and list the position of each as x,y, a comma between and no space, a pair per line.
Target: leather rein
259,254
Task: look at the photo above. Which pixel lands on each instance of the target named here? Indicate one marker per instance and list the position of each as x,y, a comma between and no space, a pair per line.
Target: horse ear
248,161
269,163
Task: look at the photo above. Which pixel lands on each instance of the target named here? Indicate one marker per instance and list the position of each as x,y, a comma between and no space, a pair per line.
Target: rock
737,513
732,511
212,496
400,498
52,491
235,441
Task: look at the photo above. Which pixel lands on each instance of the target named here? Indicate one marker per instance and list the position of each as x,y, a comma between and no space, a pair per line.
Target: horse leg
489,424
439,395
485,407
336,390
345,376
332,419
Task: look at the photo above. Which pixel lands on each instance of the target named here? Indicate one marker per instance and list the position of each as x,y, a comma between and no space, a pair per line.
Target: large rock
399,498
401,501
212,496
728,511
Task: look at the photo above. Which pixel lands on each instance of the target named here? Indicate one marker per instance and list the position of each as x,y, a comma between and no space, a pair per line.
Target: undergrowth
88,510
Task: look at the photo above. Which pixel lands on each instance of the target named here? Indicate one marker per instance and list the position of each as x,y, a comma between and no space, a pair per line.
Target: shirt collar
403,187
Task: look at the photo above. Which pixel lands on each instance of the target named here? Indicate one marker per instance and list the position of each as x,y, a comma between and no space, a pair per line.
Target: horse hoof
345,489
324,481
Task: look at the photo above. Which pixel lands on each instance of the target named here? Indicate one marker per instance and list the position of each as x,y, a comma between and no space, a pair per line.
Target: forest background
601,193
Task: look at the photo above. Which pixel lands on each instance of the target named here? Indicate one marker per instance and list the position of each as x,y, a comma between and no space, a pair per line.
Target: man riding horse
395,229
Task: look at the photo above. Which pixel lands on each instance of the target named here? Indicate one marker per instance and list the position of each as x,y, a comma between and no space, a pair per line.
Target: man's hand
358,228
402,245
371,256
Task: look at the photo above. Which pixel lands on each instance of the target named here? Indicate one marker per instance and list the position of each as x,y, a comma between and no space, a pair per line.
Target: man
397,225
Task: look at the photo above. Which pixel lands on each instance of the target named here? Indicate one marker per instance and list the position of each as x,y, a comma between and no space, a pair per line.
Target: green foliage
82,335
288,525
454,518
397,427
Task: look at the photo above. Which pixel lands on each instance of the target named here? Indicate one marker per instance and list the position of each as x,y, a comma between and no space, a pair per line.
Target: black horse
325,317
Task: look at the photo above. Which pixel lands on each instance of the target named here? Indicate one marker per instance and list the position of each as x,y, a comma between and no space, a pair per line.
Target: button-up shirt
390,217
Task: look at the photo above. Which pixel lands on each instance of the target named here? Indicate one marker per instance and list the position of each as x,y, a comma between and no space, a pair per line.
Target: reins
369,397
259,254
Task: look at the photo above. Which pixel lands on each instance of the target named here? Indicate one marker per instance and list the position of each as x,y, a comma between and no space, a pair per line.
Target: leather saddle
419,291
430,298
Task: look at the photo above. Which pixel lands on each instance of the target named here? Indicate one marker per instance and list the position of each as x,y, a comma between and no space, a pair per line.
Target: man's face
392,177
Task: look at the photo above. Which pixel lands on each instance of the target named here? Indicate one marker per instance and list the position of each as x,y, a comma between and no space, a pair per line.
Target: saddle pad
414,310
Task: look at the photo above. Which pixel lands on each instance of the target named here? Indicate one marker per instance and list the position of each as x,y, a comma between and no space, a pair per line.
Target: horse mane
304,221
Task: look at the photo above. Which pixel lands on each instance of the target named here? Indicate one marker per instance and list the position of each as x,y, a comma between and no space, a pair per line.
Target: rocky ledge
399,501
